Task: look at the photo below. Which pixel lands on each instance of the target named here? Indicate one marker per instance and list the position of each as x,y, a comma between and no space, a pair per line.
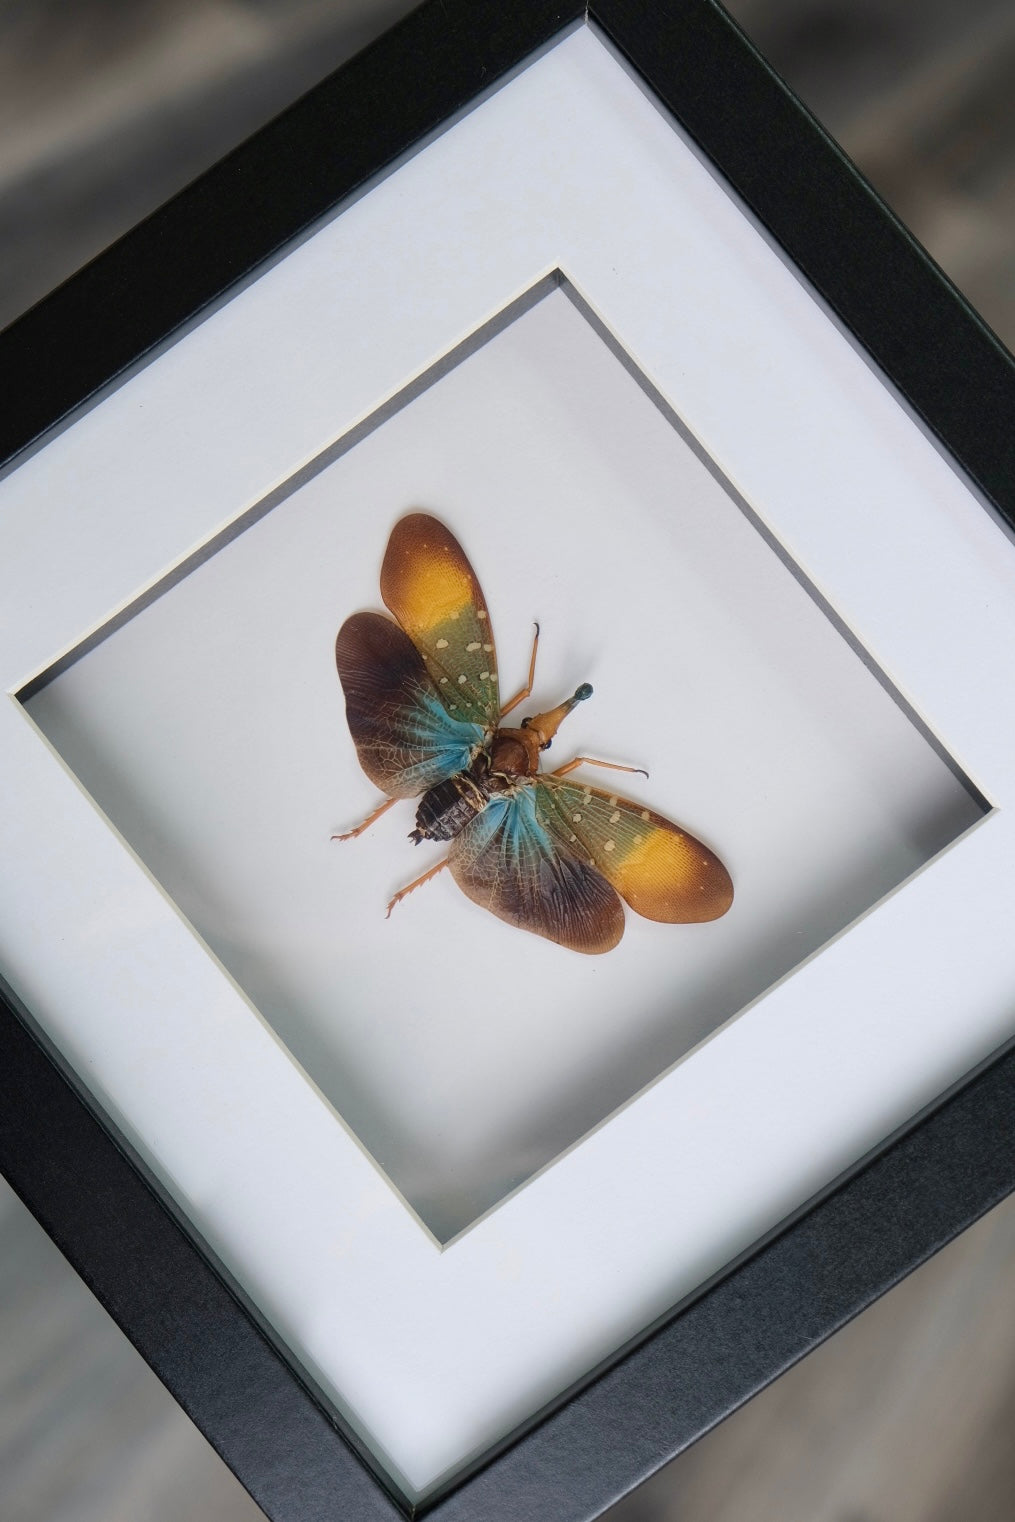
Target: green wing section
662,871
432,590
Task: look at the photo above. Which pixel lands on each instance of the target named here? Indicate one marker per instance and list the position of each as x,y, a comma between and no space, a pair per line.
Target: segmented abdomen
447,808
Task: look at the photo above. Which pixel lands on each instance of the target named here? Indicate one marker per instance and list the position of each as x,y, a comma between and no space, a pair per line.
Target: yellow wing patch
672,877
663,872
426,580
430,587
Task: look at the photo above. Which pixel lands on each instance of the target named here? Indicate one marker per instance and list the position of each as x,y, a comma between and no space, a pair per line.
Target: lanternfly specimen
538,849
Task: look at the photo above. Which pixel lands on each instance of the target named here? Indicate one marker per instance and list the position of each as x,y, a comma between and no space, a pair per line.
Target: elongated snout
545,725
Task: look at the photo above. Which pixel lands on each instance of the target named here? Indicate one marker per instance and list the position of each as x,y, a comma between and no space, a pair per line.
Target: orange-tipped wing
432,590
659,869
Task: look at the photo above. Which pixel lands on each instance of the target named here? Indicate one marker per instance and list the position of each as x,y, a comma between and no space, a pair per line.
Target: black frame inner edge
255,203
910,1199
107,1215
837,231
789,1293
554,280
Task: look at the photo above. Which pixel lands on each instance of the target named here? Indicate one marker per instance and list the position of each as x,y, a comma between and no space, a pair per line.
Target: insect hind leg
418,883
381,809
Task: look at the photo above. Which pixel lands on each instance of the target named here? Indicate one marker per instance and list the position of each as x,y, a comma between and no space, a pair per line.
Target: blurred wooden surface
922,98
109,106
87,1433
906,1415
106,108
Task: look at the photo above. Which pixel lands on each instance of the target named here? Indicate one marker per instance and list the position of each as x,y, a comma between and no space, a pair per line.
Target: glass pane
207,723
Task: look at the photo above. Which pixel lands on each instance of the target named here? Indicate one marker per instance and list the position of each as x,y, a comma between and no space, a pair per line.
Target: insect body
538,849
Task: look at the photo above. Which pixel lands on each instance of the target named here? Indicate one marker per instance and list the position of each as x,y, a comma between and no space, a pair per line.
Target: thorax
445,810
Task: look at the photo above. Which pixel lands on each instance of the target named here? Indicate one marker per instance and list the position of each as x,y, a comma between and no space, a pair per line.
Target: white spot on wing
473,645
576,818
481,615
442,644
645,814
610,845
462,679
615,817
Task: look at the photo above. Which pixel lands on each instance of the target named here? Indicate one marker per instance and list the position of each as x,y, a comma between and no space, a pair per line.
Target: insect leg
611,766
417,884
381,809
520,697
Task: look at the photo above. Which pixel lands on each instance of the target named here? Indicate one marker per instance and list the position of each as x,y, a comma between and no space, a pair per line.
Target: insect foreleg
417,884
611,766
526,691
381,809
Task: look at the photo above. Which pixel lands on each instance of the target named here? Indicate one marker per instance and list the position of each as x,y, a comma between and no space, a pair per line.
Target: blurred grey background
106,108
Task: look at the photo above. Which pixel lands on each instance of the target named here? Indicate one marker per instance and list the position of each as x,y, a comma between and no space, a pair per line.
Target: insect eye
526,723
547,745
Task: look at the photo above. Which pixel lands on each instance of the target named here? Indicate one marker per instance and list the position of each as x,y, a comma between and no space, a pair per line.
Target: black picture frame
867,1230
